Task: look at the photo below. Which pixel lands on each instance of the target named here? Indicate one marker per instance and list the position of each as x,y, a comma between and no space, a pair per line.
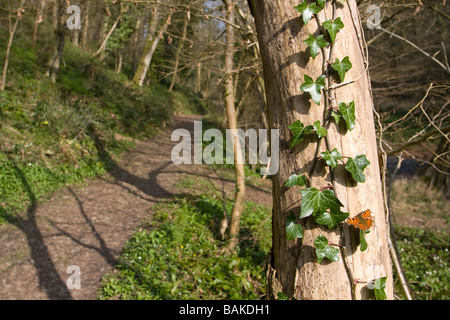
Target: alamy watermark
74,281
213,152
374,20
74,21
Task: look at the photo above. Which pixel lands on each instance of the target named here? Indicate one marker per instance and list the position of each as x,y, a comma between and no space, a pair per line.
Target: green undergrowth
53,134
426,260
179,255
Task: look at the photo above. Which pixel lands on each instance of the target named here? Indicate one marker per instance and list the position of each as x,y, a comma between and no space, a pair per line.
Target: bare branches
417,48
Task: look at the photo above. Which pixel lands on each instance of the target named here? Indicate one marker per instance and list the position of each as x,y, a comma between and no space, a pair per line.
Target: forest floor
87,225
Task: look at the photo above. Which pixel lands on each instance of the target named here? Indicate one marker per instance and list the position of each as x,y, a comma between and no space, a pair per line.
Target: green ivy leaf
331,219
333,27
316,201
321,3
307,10
356,167
362,240
332,157
314,88
337,116
315,44
296,180
378,286
348,113
293,230
282,296
321,131
342,67
323,250
298,132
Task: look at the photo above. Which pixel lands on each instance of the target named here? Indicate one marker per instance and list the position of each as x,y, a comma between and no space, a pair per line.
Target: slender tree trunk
76,37
147,54
198,86
179,51
12,31
232,124
84,31
60,32
150,46
293,266
108,35
138,33
119,63
40,7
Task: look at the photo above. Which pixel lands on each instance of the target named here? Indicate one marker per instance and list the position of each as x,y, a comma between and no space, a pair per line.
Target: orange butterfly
362,221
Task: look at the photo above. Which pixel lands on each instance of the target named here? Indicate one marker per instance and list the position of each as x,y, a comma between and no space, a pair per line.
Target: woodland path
87,225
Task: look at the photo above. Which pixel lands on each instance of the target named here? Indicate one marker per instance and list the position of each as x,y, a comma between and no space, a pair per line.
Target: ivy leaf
293,230
378,287
342,67
337,116
362,240
321,131
356,167
307,10
298,132
323,250
315,44
331,219
348,113
333,27
332,157
316,201
296,180
282,296
314,88
321,3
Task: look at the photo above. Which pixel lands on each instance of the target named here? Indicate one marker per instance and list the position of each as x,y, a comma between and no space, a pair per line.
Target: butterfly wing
367,219
362,221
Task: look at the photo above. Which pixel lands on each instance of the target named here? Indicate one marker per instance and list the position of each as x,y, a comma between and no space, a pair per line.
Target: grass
424,246
179,255
425,259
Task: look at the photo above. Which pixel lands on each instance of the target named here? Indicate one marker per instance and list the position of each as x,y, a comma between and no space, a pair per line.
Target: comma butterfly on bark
362,221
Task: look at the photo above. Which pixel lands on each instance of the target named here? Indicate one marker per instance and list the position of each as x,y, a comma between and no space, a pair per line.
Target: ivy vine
321,203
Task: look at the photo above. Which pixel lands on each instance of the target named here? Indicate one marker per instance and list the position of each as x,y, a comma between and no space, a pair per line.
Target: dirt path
88,225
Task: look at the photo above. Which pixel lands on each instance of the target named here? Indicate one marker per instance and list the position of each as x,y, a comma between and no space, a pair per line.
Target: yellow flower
181,247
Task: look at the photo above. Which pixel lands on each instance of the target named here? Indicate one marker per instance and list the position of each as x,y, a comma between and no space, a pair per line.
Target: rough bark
286,59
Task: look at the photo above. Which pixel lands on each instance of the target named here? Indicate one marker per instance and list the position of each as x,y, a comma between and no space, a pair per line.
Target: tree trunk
151,43
108,35
40,7
60,32
85,17
12,31
232,124
293,266
178,53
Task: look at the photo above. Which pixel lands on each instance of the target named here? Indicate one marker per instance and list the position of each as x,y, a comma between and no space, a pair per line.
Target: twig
417,48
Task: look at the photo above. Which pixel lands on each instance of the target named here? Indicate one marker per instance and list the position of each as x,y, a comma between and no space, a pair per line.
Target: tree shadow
103,249
54,286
